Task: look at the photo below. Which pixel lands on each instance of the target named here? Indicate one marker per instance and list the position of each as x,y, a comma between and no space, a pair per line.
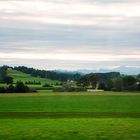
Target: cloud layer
73,34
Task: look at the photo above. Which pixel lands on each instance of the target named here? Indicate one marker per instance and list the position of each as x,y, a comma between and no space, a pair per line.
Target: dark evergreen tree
11,89
21,88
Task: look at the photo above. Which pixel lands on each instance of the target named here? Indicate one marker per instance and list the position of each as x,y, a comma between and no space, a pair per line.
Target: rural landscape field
45,113
69,69
105,116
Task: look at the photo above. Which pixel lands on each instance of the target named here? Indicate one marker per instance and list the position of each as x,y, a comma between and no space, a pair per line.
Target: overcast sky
70,34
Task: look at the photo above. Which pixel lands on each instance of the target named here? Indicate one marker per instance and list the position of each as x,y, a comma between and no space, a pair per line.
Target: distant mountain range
122,69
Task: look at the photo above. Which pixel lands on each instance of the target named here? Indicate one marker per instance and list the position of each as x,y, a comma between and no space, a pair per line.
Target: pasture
20,76
66,116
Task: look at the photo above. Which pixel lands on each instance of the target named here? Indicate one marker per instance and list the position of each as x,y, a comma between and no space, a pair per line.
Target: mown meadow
66,116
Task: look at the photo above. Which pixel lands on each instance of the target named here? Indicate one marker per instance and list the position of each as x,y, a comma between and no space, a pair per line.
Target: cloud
72,14
71,54
76,31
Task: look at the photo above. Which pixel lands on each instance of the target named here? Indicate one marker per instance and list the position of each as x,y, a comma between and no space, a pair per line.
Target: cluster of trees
69,86
110,82
32,83
47,85
4,78
126,83
93,80
54,75
18,88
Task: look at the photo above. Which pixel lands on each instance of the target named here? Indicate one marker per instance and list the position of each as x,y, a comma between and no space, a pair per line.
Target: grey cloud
67,65
58,35
24,36
92,1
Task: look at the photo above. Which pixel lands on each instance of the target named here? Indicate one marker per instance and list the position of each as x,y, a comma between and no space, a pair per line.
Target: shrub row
18,88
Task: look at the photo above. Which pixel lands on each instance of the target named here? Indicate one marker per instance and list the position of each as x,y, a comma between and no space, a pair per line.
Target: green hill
20,76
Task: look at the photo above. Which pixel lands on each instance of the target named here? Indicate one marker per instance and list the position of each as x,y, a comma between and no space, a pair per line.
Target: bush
2,90
31,90
70,89
58,89
21,88
129,83
33,83
44,88
10,89
47,85
8,80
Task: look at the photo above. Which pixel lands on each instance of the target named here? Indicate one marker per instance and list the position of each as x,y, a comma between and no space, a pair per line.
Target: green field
63,122
65,102
20,76
70,129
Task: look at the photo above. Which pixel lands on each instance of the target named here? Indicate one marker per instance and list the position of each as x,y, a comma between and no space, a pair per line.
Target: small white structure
138,83
94,90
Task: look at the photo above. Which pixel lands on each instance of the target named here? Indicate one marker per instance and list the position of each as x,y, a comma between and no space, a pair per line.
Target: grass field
63,123
20,76
65,102
70,129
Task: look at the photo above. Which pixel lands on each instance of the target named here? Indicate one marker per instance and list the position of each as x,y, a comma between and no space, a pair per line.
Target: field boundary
4,115
68,94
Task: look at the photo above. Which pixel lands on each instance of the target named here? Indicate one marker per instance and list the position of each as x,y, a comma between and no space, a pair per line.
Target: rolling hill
20,76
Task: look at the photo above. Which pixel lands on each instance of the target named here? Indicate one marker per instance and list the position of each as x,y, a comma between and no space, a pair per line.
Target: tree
21,88
11,89
129,83
117,84
8,80
2,90
3,74
4,78
83,81
93,80
47,85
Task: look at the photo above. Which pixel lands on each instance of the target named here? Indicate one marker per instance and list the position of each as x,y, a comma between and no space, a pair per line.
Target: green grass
3,85
45,91
70,129
65,102
20,76
75,128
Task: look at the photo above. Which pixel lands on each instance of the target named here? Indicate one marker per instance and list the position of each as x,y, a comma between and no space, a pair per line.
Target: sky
70,34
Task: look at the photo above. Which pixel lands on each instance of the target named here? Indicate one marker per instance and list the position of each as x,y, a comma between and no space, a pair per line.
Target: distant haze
70,34
127,70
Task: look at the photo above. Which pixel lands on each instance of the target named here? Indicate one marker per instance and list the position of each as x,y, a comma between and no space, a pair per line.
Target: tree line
53,75
19,87
112,81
